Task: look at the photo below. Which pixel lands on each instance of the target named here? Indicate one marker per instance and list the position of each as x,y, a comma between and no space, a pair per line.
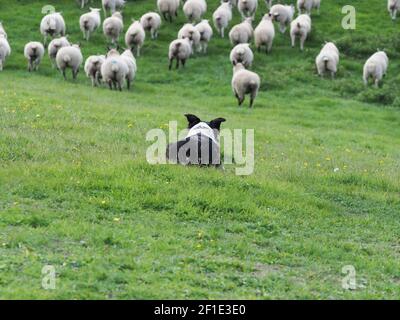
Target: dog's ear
216,123
192,119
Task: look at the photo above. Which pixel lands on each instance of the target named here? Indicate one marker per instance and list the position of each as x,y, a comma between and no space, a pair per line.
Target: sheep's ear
192,119
216,123
234,62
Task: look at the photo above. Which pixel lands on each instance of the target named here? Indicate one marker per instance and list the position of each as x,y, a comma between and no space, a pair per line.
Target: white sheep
393,7
90,22
264,33
5,50
93,68
135,36
222,16
114,70
245,82
69,57
328,59
54,46
206,33
283,15
181,50
189,31
113,26
112,5
52,25
247,8
300,27
2,31
130,61
194,9
34,52
168,8
242,32
151,21
308,5
376,67
242,53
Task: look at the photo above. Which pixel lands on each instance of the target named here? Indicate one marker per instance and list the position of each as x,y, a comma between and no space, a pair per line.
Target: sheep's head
118,15
112,52
237,66
268,16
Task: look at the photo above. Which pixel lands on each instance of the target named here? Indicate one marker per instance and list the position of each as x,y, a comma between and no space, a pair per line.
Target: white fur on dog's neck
204,129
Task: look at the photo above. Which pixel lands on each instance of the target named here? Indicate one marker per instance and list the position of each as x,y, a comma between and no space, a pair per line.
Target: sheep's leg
83,4
170,64
252,97
64,74
128,83
282,27
164,14
183,62
333,73
302,41
29,66
110,84
93,81
177,63
377,83
87,35
269,46
205,46
293,37
222,32
170,17
138,51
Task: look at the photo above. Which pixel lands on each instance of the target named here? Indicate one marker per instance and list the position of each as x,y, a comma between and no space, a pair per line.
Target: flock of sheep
116,69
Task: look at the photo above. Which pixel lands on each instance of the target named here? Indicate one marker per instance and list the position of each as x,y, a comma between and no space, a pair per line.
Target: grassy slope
77,193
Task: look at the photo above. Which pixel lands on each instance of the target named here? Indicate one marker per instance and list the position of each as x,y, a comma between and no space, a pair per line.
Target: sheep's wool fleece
203,129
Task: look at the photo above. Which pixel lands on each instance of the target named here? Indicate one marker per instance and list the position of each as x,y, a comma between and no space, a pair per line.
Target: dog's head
213,124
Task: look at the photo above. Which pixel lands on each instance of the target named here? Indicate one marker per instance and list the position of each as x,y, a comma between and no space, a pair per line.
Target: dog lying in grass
201,146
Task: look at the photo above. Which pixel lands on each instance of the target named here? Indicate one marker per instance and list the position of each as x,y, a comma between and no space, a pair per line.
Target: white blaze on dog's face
209,129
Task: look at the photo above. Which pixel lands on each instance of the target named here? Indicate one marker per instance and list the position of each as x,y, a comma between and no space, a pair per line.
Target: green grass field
76,191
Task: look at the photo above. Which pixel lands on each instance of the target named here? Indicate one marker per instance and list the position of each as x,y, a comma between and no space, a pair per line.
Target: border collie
201,146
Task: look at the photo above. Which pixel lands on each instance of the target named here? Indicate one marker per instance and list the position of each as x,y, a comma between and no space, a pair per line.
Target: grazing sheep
54,46
93,68
242,53
308,5
181,50
247,8
2,31
300,27
376,67
34,52
168,8
52,25
90,22
135,36
393,7
242,32
114,70
245,82
283,15
113,26
112,5
130,61
194,9
189,31
69,57
222,16
264,34
328,60
206,33
5,50
151,21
